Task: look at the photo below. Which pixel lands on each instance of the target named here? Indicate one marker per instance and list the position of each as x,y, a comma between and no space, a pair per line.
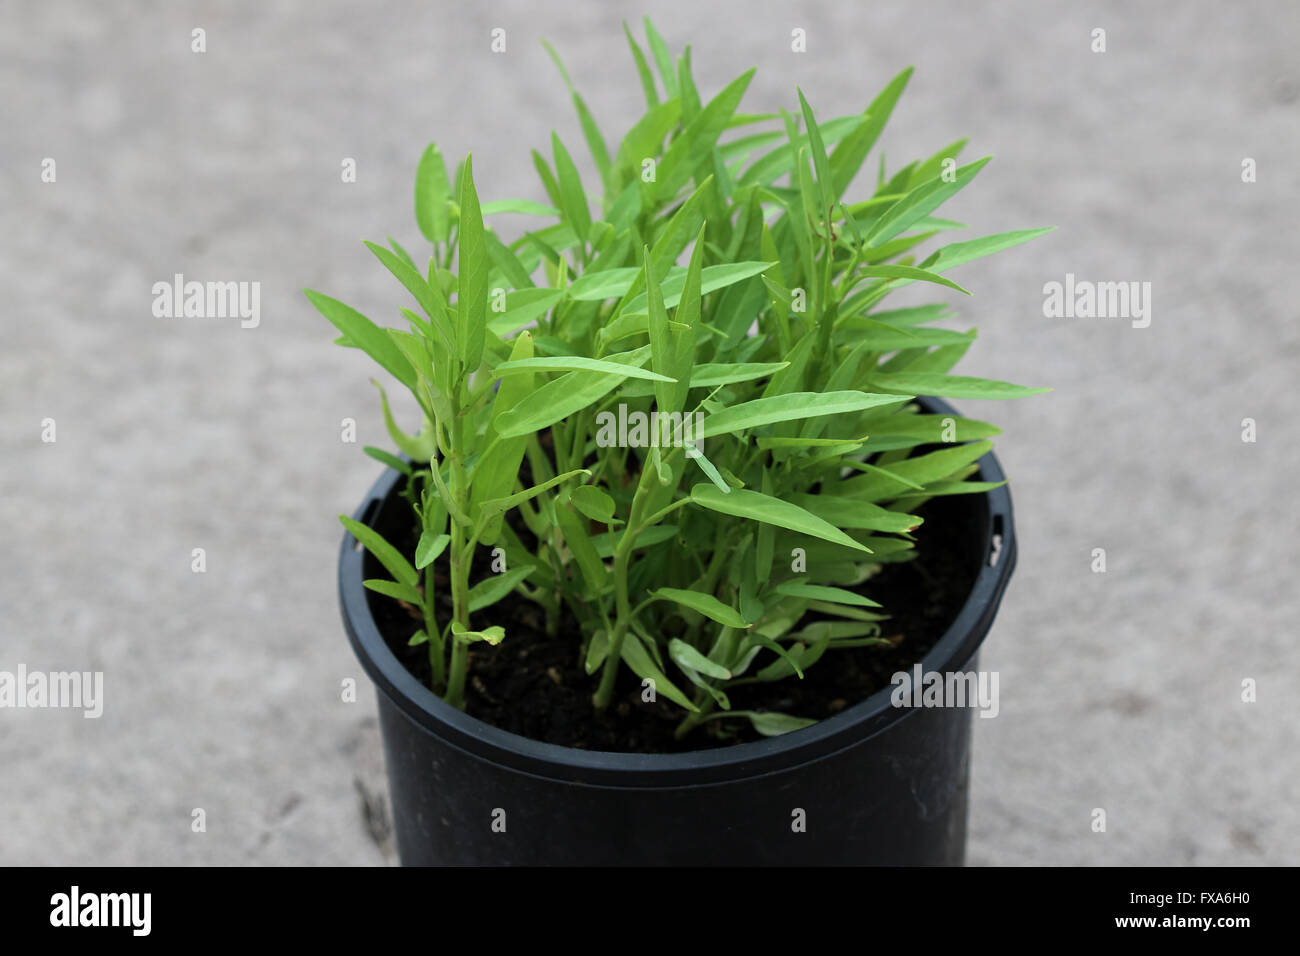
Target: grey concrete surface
1120,690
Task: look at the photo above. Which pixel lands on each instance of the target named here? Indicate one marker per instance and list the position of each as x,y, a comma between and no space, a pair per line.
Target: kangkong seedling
716,453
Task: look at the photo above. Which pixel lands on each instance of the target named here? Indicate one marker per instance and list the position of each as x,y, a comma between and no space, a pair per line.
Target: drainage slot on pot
996,550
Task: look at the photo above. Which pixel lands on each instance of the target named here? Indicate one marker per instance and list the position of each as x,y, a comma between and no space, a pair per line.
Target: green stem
460,605
605,692
437,650
462,547
724,651
691,721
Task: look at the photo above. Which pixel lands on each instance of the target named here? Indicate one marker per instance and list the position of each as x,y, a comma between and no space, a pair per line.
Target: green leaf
432,193
508,264
882,337
680,349
789,407
401,252
847,157
643,70
801,441
724,373
471,300
418,448
590,131
881,484
938,488
638,659
597,651
493,589
567,363
690,151
643,141
387,458
781,159
821,592
492,635
656,534
496,506
756,506
948,386
564,396
384,553
663,59
522,307
917,315
573,200
521,207
817,149
710,470
919,203
613,283
689,659
497,471
429,548
605,284
958,253
661,352
684,226
932,427
593,502
802,656
858,515
706,604
910,273
365,335
394,589
578,538
769,723
408,275
548,178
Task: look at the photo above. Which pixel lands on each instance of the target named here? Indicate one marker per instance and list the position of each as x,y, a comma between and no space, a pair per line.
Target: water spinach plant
677,405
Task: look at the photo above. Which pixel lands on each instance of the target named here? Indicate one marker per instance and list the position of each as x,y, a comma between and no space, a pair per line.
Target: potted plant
687,522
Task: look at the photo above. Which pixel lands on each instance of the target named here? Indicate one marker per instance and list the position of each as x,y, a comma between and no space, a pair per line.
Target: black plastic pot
876,784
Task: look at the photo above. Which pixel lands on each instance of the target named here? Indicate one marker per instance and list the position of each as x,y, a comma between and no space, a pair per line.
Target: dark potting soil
536,686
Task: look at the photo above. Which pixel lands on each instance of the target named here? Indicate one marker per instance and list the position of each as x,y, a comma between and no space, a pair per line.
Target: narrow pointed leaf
705,604
821,592
568,363
689,659
432,193
642,664
493,589
957,253
471,304
365,335
384,553
769,723
949,386
756,506
429,549
790,407
394,589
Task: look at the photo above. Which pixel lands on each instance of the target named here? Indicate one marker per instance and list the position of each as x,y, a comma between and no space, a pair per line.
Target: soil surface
535,686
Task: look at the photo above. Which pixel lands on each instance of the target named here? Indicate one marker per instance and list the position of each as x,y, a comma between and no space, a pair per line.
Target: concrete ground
1121,690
